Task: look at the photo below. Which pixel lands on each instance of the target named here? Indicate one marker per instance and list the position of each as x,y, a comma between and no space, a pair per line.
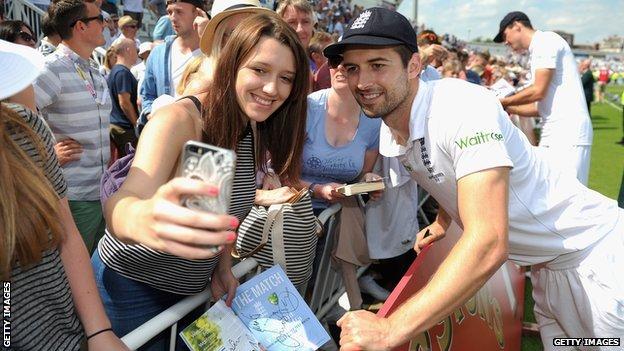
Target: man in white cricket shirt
510,202
556,94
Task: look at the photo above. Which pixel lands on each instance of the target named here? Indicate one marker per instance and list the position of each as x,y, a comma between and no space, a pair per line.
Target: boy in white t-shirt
458,143
556,94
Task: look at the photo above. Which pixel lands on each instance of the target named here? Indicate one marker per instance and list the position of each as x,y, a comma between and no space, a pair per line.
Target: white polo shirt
458,128
563,109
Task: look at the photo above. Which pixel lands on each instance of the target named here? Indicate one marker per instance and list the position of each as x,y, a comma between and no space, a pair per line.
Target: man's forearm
527,110
129,111
526,96
77,266
466,269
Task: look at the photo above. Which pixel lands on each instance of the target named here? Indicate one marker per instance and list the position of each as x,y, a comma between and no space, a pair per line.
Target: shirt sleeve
475,141
545,54
123,82
47,88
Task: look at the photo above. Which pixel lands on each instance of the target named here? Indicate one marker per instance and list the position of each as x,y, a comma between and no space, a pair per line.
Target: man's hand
67,150
363,330
429,234
372,177
200,22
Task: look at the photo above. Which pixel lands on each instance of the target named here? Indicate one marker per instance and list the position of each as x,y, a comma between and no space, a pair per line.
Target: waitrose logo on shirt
478,138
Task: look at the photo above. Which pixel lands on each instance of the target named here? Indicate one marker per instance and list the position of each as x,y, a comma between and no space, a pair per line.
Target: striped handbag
284,234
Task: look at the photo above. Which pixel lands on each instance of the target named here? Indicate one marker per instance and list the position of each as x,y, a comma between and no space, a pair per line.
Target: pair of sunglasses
25,36
334,61
88,19
130,26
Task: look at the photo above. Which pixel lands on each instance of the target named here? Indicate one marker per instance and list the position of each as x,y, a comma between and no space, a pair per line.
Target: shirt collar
72,55
388,146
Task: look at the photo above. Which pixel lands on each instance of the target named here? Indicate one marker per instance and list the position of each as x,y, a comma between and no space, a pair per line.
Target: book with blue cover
272,314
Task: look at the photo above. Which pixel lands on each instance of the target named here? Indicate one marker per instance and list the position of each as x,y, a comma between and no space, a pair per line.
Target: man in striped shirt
73,97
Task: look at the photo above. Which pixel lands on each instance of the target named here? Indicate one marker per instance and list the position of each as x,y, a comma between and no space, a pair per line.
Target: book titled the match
360,188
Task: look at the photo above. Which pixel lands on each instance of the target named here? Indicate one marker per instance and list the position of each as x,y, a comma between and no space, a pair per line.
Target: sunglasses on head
25,36
334,61
86,20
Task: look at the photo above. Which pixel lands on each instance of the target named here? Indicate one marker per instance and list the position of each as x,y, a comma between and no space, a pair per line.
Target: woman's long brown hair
29,214
282,135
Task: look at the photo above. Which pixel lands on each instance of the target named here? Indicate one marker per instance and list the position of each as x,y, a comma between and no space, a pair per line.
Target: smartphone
213,165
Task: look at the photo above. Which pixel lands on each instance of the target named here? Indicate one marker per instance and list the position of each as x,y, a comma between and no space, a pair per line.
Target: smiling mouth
369,96
261,101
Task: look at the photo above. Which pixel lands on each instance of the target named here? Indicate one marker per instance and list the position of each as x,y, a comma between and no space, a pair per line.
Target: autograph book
359,188
267,314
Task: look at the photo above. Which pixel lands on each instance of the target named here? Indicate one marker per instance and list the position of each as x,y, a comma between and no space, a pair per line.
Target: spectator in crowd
556,94
139,265
158,7
110,6
110,59
73,98
17,32
432,54
134,9
167,62
299,14
603,80
495,189
587,79
226,16
138,70
51,38
123,90
451,69
341,147
54,301
128,28
322,77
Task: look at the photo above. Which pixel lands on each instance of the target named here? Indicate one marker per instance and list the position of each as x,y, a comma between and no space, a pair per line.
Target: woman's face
230,24
25,37
265,79
338,79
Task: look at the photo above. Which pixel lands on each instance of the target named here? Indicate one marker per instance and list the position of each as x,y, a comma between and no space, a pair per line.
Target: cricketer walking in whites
459,144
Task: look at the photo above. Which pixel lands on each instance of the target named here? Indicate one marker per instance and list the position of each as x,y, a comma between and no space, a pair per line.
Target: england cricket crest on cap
360,22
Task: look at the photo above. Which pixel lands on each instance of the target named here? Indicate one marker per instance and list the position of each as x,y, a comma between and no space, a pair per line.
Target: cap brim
499,37
367,40
207,37
20,65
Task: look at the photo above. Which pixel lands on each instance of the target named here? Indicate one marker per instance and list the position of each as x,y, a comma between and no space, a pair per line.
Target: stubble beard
393,100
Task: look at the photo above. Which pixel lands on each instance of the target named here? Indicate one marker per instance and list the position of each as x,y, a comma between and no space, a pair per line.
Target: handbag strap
272,214
279,251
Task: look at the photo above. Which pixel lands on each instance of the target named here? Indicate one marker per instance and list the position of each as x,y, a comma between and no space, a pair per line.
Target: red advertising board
490,320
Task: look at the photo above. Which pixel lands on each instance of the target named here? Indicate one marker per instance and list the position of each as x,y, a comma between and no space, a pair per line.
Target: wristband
311,187
99,332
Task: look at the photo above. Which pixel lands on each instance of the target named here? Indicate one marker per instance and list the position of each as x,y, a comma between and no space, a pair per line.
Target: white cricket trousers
583,297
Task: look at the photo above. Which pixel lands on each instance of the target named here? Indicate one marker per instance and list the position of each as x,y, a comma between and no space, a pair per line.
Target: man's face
182,15
301,22
377,79
513,37
93,26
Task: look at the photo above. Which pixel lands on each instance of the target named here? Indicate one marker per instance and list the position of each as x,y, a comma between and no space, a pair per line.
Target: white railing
25,11
171,316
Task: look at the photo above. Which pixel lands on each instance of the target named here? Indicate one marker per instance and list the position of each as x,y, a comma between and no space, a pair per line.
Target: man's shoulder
456,100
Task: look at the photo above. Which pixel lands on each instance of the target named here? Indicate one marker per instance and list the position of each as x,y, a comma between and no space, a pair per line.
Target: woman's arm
147,210
86,298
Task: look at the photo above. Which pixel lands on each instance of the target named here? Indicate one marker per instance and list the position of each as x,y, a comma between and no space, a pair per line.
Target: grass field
605,175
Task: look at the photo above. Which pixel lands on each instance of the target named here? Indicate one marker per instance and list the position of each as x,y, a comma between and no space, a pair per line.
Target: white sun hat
20,65
223,9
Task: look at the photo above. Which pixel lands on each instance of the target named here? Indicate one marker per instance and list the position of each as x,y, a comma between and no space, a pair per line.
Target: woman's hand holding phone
163,224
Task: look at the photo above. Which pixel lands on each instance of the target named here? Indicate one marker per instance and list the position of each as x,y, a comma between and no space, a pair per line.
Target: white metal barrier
173,314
